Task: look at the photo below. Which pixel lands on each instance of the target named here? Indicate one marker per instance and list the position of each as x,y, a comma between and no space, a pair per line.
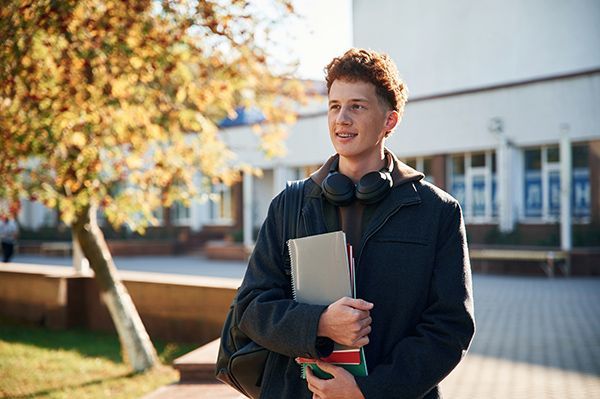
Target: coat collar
401,174
403,193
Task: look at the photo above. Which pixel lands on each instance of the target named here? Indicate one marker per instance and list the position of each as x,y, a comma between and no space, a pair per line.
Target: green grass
40,363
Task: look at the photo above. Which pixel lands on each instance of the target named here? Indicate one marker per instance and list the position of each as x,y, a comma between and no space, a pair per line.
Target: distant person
414,308
8,235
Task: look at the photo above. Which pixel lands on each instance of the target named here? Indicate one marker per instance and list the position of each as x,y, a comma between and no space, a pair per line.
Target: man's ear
391,121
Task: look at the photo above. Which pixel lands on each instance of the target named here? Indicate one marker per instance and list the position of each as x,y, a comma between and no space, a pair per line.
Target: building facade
503,113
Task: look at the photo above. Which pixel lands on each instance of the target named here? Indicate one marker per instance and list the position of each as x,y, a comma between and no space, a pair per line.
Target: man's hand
341,386
347,322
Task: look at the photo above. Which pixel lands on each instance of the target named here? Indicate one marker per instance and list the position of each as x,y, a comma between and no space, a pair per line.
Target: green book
358,370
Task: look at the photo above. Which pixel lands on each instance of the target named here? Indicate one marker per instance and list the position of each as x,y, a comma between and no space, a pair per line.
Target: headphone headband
340,190
388,167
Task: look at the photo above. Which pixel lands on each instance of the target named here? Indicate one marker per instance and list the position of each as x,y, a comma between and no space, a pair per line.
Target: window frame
215,216
548,168
490,212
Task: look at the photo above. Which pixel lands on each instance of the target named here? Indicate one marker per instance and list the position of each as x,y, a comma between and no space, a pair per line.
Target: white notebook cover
319,263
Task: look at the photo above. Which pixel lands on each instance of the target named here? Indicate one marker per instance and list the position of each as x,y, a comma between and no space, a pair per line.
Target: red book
345,356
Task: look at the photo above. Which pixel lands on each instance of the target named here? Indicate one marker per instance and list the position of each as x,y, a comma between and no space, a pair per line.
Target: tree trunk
136,347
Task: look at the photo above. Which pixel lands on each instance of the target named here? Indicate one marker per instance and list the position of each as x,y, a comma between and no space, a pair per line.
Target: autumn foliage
117,102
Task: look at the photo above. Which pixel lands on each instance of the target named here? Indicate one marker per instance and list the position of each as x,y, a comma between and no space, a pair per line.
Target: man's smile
346,135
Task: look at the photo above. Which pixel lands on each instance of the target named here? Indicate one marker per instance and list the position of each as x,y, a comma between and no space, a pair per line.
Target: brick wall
174,308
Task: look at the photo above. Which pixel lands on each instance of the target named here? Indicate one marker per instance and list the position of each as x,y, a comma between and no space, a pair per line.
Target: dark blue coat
412,263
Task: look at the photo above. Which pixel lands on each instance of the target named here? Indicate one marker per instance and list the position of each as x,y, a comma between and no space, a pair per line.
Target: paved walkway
536,337
196,265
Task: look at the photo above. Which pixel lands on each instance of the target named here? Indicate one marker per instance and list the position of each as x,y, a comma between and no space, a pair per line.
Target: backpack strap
292,207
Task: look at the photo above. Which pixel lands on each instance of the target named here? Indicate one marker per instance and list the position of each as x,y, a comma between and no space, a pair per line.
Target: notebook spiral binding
292,274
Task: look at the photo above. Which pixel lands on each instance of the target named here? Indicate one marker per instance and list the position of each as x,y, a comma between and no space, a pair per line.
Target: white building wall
307,143
532,115
263,194
442,45
34,215
446,46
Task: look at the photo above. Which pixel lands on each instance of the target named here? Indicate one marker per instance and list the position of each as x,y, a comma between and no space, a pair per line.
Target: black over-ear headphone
340,190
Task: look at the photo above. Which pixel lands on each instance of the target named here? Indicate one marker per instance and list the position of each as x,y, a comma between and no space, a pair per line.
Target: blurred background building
496,89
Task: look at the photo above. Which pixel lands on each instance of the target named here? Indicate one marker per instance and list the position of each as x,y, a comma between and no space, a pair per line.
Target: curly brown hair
373,67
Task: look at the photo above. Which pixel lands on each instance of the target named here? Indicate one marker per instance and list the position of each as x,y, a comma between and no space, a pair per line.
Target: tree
114,104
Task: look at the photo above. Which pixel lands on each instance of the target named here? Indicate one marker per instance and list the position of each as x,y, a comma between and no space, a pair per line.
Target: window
542,182
220,211
473,184
422,164
457,187
581,194
533,183
180,214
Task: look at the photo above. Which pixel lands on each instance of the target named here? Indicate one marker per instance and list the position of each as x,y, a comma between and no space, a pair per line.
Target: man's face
357,119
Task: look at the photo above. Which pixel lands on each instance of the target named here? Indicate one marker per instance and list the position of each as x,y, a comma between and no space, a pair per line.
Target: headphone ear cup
338,189
373,187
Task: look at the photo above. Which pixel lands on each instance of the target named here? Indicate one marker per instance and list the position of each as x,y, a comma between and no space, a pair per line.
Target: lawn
40,363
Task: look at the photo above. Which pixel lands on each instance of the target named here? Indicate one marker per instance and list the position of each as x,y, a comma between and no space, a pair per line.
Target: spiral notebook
322,272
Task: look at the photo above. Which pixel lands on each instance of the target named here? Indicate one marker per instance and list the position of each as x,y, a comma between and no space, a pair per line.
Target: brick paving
536,338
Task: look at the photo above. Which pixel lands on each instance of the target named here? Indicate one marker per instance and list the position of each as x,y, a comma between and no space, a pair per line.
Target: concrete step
195,391
197,377
198,366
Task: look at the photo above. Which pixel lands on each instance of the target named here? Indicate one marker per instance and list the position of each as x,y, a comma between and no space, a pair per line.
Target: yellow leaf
136,62
134,161
181,94
256,128
78,139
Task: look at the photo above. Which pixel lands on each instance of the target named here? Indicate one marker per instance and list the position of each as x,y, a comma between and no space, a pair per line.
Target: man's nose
343,117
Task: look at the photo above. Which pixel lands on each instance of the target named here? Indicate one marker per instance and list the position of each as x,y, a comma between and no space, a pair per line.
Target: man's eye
357,106
334,106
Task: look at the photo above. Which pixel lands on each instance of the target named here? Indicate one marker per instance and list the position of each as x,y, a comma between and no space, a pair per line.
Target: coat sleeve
268,315
419,362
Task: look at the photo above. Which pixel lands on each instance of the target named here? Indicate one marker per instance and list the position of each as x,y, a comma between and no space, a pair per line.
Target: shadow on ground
547,322
87,343
62,388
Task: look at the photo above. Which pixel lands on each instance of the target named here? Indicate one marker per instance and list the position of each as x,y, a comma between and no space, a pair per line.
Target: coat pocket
402,239
402,260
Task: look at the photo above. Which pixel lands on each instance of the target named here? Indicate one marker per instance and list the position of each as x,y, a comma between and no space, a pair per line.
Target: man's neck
356,168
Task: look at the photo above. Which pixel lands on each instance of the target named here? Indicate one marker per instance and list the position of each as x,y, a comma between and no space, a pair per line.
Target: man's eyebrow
356,100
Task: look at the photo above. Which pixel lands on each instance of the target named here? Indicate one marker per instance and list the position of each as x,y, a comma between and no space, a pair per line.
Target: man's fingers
360,314
366,322
309,374
314,382
359,343
361,327
365,330
329,368
312,379
359,304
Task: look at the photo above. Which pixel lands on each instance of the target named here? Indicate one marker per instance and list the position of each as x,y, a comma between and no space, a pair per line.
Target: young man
414,312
